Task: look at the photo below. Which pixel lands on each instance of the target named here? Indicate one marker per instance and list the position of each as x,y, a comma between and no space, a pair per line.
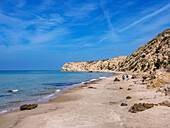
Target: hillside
110,64
151,56
148,58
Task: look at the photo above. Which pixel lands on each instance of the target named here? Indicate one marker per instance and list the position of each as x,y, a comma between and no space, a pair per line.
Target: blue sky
45,34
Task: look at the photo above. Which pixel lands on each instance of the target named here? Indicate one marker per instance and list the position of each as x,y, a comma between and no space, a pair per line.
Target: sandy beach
95,104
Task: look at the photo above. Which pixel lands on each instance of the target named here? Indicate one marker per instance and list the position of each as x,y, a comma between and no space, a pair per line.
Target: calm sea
37,86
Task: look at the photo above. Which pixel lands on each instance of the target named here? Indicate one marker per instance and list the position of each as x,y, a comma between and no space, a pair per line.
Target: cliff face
110,64
148,58
151,56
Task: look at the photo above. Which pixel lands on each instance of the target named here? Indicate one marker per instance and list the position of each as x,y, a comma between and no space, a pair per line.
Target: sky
45,34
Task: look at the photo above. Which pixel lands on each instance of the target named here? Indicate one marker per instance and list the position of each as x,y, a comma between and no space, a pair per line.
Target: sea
34,86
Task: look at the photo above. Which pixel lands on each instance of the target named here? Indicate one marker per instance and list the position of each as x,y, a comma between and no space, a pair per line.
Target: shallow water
33,86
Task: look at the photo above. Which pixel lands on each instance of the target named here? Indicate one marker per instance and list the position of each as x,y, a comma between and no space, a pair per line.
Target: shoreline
46,100
94,104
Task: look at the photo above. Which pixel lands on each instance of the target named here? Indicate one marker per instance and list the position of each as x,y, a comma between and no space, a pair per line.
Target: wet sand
95,105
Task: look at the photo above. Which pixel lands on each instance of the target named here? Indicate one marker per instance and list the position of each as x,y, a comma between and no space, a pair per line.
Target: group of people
123,77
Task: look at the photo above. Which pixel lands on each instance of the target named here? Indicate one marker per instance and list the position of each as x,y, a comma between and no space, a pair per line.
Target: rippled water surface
37,85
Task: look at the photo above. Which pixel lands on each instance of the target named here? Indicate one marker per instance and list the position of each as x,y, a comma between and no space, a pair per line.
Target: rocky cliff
109,64
148,58
151,56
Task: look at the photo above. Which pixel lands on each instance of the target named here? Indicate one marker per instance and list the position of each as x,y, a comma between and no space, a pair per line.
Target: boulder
155,83
141,107
165,103
116,79
145,77
128,97
129,89
91,87
13,90
120,88
123,104
28,106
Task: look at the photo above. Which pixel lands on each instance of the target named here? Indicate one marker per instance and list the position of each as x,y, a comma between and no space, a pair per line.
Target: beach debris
92,87
112,103
131,85
56,91
116,79
129,89
28,106
120,88
123,104
16,90
138,107
128,97
165,103
141,99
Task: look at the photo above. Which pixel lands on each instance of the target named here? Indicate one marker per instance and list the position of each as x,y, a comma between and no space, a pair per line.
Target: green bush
143,56
158,63
157,50
135,69
143,66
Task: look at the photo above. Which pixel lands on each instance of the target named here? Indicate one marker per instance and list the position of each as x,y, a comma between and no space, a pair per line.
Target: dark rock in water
123,104
90,71
129,89
120,88
141,107
128,97
28,106
165,103
13,90
116,79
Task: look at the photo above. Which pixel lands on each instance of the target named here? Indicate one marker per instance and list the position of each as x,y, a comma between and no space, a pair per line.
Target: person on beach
127,77
123,77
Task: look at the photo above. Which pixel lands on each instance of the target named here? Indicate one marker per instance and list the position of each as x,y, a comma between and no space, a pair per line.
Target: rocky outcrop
148,58
28,106
109,64
141,107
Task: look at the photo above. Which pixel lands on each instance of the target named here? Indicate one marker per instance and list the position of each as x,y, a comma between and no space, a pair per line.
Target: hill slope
148,58
151,56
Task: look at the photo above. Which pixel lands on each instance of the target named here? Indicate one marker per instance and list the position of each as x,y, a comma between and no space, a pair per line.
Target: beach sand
95,104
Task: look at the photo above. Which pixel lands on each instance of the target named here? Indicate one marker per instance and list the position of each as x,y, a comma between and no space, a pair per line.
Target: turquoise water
37,86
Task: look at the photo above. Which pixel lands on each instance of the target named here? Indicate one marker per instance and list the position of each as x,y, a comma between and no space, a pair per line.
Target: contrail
146,17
